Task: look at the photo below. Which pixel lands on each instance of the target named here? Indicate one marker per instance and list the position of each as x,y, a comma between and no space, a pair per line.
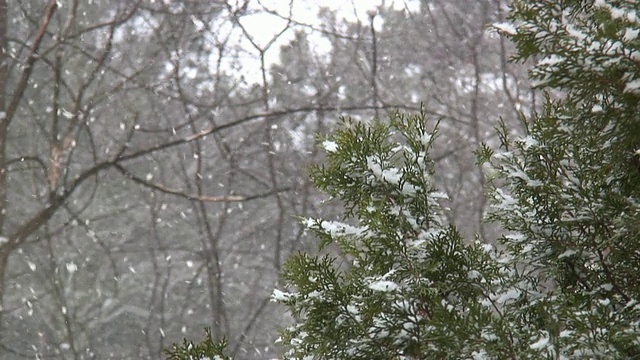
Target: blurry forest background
153,153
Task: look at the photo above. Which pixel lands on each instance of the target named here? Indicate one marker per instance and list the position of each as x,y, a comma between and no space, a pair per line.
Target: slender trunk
4,258
4,74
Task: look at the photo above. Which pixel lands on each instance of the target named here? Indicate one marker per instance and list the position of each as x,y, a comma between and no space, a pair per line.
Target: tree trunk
4,71
4,258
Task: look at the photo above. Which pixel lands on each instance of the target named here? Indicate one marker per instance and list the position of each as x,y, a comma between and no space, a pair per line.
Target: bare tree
149,186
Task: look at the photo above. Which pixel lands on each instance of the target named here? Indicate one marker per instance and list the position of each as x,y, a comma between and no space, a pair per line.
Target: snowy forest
280,172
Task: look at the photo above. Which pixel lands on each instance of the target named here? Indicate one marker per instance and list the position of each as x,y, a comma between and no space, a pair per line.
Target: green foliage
569,191
405,284
207,349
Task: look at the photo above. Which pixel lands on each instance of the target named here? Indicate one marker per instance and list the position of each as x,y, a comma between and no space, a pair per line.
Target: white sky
263,26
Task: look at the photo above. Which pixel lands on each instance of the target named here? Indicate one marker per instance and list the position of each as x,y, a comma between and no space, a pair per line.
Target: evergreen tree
207,349
406,284
570,199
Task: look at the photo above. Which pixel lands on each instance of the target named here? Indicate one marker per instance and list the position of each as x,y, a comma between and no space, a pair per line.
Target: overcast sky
263,26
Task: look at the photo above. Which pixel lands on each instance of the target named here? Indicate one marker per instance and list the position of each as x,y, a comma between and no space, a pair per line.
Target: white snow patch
606,287
616,13
336,228
633,86
566,333
534,183
600,3
474,274
392,175
528,142
488,335
409,189
503,156
519,174
330,146
353,310
425,139
3,240
630,34
383,285
541,343
551,60
511,294
576,33
439,195
280,295
567,253
506,28
479,355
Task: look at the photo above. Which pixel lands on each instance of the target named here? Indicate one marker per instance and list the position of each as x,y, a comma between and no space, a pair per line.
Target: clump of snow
541,343
281,295
330,146
509,295
576,33
567,253
506,28
617,13
353,310
566,333
600,3
551,60
391,175
383,285
489,335
409,189
606,287
630,34
633,86
479,355
519,174
474,274
528,142
425,139
3,240
439,195
336,228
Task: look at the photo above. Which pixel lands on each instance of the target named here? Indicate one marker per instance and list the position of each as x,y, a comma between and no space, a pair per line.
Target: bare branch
31,60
